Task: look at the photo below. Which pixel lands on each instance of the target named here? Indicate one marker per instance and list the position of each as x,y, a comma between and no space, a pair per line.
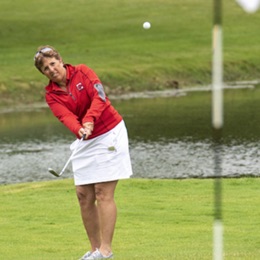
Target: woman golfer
77,98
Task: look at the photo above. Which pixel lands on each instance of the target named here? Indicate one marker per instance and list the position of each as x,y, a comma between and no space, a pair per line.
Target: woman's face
54,70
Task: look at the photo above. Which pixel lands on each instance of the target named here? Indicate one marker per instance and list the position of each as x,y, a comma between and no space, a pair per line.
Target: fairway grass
157,219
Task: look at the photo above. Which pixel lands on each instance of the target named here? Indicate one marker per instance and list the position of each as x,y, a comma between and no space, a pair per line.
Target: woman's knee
105,191
85,194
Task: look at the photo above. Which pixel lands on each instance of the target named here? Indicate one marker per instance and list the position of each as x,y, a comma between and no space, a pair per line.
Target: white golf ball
147,25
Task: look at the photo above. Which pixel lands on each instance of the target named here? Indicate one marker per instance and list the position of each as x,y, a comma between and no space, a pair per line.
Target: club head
53,172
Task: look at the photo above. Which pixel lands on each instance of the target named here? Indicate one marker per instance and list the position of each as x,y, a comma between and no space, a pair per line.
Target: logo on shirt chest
79,86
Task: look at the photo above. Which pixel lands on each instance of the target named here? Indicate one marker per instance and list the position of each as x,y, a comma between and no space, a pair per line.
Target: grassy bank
170,218
108,36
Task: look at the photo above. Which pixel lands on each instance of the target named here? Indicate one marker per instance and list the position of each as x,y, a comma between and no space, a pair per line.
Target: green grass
171,219
108,36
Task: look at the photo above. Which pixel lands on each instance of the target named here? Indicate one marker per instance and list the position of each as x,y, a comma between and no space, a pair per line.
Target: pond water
169,138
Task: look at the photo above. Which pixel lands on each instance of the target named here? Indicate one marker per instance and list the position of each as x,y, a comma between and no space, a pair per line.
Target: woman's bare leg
89,213
107,214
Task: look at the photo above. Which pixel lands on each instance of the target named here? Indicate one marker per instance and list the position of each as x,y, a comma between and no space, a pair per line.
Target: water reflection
169,138
187,159
27,162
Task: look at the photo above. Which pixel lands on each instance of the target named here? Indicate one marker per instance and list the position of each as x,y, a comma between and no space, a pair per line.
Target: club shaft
72,155
67,163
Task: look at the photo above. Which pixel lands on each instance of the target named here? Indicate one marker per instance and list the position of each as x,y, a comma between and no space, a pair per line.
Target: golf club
65,166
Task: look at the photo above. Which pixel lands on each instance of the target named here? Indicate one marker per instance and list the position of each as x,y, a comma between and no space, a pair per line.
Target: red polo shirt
84,101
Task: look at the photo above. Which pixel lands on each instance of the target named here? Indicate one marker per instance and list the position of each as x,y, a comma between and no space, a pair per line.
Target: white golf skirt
102,159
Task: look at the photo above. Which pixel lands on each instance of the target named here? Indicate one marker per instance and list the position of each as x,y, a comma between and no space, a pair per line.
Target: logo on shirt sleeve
100,91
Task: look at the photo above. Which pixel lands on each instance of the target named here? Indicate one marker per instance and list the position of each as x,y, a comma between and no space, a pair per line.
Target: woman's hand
82,132
88,128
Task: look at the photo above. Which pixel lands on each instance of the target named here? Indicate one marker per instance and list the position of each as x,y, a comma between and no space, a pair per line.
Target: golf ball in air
147,25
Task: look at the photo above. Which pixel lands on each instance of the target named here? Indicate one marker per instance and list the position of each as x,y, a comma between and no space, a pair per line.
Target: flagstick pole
217,122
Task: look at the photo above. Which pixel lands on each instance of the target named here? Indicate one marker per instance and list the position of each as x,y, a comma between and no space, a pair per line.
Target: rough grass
171,219
108,36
